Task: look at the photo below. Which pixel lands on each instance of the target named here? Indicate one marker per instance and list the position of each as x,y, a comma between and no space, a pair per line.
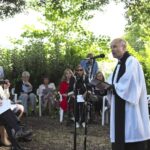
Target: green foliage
138,28
146,66
138,32
59,9
143,56
43,59
61,44
9,8
138,11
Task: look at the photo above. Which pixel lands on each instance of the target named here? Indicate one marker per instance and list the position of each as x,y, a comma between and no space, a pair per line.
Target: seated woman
63,90
4,136
9,120
10,123
4,94
47,93
24,89
99,103
16,108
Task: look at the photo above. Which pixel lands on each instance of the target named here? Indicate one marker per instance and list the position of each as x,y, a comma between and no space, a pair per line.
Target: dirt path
50,135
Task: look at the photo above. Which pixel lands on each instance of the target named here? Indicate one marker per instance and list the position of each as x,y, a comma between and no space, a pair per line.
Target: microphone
95,57
98,56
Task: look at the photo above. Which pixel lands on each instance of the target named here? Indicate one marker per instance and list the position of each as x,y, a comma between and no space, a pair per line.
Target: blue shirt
87,66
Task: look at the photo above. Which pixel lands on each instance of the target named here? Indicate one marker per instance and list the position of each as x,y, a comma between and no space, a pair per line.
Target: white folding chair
15,96
105,114
148,98
40,103
61,111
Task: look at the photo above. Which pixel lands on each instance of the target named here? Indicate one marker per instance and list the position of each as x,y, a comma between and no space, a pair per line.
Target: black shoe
33,113
25,115
22,134
26,139
18,148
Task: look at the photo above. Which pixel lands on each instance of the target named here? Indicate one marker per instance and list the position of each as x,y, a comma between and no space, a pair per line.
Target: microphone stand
85,114
86,103
75,113
91,73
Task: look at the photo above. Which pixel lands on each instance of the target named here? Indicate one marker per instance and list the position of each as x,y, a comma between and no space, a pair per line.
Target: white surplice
131,87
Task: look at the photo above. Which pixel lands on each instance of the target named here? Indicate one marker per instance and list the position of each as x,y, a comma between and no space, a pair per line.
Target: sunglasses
79,70
113,46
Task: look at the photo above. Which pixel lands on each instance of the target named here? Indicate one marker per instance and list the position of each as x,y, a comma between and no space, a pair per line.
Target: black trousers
71,107
9,120
98,104
80,112
144,145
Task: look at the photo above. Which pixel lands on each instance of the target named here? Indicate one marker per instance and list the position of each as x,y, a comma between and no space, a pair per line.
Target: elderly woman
47,93
24,89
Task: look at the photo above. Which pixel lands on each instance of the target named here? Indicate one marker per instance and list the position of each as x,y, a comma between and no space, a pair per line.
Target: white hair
25,74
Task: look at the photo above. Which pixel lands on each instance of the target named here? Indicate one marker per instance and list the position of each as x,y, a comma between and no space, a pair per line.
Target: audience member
87,66
25,91
63,89
47,93
80,92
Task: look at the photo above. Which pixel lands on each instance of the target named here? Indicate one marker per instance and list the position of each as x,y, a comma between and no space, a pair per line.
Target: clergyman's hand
110,88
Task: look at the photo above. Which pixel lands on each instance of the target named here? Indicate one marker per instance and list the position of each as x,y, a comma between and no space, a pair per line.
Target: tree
9,8
61,44
138,32
138,28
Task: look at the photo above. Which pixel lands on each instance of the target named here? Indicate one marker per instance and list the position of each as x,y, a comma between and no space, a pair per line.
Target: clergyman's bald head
119,41
118,47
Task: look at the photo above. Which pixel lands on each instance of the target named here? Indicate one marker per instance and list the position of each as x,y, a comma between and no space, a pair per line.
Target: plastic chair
148,98
61,111
16,101
40,104
105,109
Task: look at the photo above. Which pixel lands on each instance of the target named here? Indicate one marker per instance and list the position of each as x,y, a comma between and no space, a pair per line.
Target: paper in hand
80,99
100,85
6,104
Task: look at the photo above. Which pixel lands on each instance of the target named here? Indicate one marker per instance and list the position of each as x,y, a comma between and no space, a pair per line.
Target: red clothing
63,89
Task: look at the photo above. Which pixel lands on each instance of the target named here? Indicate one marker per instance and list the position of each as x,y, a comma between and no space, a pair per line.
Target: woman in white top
5,95
47,94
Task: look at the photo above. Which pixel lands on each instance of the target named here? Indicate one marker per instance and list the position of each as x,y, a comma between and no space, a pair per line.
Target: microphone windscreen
102,55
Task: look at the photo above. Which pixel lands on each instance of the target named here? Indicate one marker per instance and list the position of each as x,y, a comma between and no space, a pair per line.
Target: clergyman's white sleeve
109,93
129,85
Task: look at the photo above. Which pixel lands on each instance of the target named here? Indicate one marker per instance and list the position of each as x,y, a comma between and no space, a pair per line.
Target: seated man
24,89
87,66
